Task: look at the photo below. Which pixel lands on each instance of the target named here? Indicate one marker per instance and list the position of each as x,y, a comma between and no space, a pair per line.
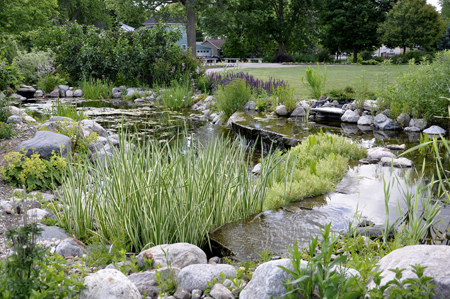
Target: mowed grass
338,76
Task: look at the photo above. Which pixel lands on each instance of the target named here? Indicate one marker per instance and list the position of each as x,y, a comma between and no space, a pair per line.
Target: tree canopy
411,23
444,42
86,12
351,25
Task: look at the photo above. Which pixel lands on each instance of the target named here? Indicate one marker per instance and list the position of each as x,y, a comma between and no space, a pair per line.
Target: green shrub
33,172
179,95
359,58
315,81
420,89
205,84
4,110
29,63
370,62
302,58
49,82
312,168
379,58
67,110
283,94
10,77
95,89
6,131
323,55
269,58
232,97
341,94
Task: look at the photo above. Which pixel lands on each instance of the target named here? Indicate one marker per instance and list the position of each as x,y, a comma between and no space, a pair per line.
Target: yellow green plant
33,172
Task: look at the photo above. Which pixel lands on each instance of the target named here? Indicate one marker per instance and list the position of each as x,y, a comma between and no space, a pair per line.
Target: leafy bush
205,84
179,95
30,273
420,89
312,168
323,55
10,77
95,89
8,47
379,58
48,78
269,58
359,58
4,110
367,55
33,172
315,81
232,97
282,58
29,63
303,58
284,95
370,62
418,57
6,131
347,93
146,56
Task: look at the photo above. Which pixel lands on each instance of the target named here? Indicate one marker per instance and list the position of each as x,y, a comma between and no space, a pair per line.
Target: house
388,52
126,27
170,21
203,51
215,45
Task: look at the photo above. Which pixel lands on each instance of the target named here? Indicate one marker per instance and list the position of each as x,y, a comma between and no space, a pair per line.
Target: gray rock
145,281
61,118
14,119
28,118
63,87
180,255
139,100
69,93
435,131
62,93
26,91
117,95
37,214
196,294
38,94
348,185
109,284
374,232
71,247
182,293
281,110
434,257
209,99
365,120
214,260
412,129
298,112
418,123
400,162
396,147
236,117
251,105
45,143
257,169
371,105
130,92
382,122
268,280
403,120
54,93
78,93
350,116
196,276
379,152
50,232
207,113
94,127
219,291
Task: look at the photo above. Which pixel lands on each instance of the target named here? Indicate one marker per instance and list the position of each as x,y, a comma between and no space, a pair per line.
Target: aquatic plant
233,96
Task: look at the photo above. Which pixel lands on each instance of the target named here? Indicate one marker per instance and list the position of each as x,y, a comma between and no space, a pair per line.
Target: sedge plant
315,81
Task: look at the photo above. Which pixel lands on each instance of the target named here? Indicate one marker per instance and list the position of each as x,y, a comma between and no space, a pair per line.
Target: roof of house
126,27
165,18
215,42
202,47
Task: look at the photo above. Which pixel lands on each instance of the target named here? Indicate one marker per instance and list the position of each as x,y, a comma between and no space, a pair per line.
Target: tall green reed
158,194
315,81
67,110
95,89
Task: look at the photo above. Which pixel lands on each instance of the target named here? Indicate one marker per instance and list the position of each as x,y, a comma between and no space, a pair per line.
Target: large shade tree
411,23
351,25
86,12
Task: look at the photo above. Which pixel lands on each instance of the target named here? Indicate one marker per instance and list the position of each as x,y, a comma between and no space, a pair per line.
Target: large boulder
298,112
93,126
350,116
403,119
251,105
52,232
26,91
78,93
196,276
371,105
71,247
281,110
236,117
365,120
109,284
434,257
180,255
46,143
145,281
435,131
379,152
382,122
267,280
418,123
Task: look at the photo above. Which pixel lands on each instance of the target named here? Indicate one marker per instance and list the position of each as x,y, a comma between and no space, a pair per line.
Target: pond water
277,229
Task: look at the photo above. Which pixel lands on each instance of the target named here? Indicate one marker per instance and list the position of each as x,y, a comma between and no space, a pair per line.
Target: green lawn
338,76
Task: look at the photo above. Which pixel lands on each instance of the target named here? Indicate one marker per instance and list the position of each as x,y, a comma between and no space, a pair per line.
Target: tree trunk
281,48
355,54
404,50
190,26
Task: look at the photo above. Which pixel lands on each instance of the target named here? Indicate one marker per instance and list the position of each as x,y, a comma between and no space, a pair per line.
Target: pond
362,189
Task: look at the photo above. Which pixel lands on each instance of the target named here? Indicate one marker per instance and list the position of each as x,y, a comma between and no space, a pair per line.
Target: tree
129,13
445,11
86,12
351,25
25,15
444,42
411,23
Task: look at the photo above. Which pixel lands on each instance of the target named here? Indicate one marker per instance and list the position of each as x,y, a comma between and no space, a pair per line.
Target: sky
434,3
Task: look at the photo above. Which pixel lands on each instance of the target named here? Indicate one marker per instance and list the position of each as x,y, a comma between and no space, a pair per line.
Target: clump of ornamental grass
313,168
159,194
178,95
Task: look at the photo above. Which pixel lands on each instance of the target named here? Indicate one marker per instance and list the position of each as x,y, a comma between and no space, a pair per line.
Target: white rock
435,131
109,284
365,120
77,93
350,116
418,123
196,276
400,162
379,152
37,214
281,110
257,169
180,255
219,291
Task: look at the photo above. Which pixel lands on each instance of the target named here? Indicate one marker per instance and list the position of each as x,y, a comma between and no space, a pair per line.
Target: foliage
367,55
8,47
444,42
284,95
86,12
67,110
323,55
10,77
351,25
281,57
418,56
303,58
205,84
207,185
410,23
130,13
321,272
29,64
348,93
33,172
167,282
30,273
179,95
359,59
6,131
95,89
312,168
4,110
17,16
147,56
315,81
420,89
50,81
232,97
